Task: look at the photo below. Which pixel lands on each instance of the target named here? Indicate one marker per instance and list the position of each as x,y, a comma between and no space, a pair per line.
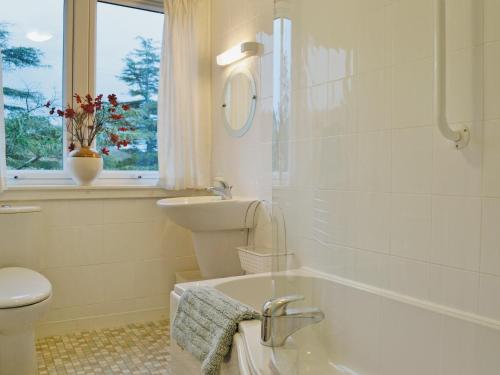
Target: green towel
205,323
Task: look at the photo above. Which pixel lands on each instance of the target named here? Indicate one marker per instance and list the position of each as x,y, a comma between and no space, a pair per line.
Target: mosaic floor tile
134,349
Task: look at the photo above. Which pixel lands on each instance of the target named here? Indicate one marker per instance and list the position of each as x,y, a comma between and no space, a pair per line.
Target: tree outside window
33,139
127,64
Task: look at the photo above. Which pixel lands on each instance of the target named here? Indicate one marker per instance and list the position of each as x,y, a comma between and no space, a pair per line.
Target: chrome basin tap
223,189
279,321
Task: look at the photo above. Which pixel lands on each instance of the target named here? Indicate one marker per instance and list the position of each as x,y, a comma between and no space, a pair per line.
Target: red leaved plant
93,116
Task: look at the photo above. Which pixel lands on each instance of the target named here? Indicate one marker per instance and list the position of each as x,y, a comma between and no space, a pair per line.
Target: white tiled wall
108,260
373,191
245,162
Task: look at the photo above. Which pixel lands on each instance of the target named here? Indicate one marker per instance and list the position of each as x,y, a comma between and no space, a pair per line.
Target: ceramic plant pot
85,165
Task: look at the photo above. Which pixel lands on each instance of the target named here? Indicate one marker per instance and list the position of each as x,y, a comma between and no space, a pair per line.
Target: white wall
245,162
373,191
114,260
110,261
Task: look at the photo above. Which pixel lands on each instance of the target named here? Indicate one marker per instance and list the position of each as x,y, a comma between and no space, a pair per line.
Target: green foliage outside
34,139
141,74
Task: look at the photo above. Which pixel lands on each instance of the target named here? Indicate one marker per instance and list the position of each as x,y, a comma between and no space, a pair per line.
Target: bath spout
279,322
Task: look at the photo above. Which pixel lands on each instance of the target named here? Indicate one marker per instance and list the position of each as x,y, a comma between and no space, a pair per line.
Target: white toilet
24,297
24,294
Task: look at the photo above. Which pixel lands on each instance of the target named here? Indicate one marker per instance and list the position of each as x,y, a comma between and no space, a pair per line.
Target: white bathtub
366,331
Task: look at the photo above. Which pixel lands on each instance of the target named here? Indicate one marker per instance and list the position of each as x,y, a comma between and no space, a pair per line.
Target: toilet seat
22,287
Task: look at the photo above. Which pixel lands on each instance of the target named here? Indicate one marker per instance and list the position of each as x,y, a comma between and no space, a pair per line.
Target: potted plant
84,122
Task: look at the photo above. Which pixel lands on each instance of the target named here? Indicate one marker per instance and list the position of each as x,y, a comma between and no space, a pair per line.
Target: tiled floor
134,349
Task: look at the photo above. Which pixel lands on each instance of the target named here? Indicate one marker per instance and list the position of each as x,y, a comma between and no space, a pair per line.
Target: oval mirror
240,98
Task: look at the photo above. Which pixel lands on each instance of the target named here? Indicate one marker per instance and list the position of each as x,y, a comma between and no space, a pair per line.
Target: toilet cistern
25,294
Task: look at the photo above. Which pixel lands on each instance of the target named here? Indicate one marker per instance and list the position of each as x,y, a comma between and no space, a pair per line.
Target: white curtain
184,100
3,167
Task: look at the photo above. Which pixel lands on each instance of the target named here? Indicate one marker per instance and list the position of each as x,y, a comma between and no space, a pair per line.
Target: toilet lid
22,287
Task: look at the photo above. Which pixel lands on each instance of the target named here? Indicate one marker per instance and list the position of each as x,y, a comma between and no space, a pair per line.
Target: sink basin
218,227
209,213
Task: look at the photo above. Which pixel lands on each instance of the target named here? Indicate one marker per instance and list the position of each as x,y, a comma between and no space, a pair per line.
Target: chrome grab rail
460,137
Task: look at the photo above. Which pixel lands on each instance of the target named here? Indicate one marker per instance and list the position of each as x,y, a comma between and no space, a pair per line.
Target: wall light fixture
238,52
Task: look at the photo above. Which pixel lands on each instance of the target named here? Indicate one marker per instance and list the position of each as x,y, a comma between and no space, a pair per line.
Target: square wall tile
336,162
118,280
374,162
454,288
464,24
492,81
373,221
301,126
265,32
412,94
341,62
119,211
319,107
85,212
94,280
333,259
376,39
371,268
458,172
61,248
121,242
412,160
411,226
491,25
317,63
154,277
266,80
465,85
375,100
489,290
413,30
264,120
68,286
456,232
300,155
408,277
89,245
490,242
188,263
342,102
491,159
334,216
56,213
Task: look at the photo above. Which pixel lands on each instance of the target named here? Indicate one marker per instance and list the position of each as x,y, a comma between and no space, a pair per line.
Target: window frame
79,75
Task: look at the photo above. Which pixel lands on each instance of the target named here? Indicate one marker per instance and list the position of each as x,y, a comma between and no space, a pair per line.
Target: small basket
259,260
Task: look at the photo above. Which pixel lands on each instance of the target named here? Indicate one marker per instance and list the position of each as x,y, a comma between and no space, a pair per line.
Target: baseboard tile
62,327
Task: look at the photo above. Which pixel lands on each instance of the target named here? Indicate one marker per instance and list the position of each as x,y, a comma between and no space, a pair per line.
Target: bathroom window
54,48
32,44
128,65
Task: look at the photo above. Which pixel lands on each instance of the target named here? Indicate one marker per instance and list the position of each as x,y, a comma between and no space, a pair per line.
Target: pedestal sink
218,227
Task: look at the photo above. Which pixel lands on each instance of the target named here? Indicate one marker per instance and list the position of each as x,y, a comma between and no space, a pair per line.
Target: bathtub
246,351
366,331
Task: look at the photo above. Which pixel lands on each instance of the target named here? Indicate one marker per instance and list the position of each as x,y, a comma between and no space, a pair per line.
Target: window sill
71,192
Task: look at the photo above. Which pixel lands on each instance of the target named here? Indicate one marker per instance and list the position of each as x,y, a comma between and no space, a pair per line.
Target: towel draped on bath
205,323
